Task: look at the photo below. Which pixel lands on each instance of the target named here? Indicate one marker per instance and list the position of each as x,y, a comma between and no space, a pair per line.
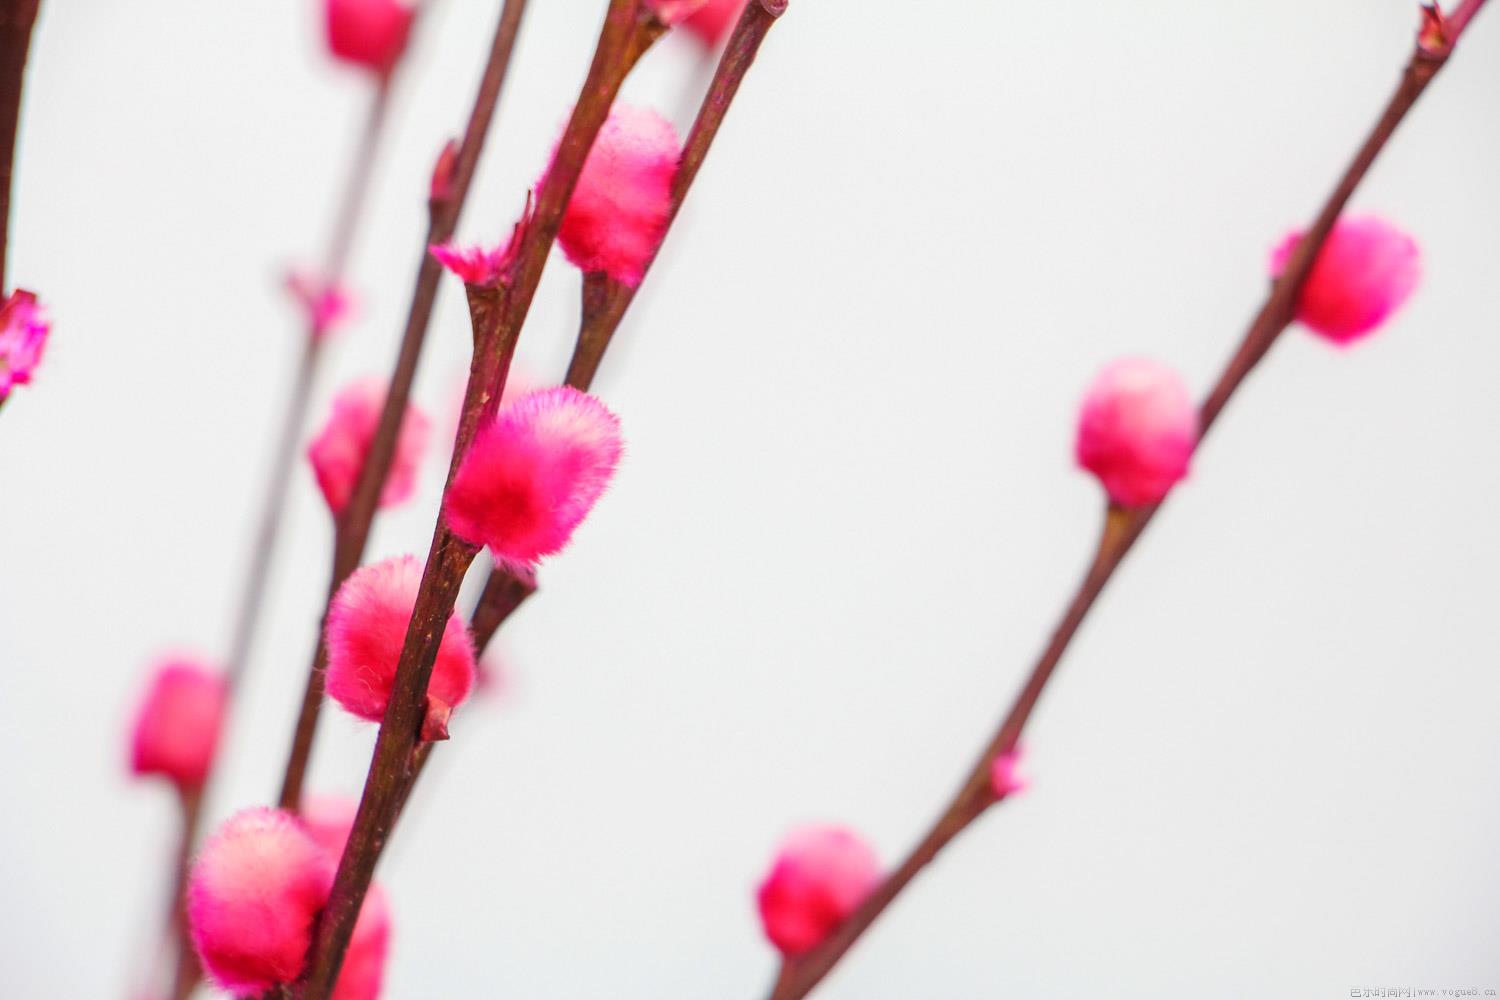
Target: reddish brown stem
497,316
353,529
17,17
800,975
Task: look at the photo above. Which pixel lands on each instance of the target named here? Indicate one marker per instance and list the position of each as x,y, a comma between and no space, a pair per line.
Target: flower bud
820,876
325,304
619,210
23,335
1137,431
252,896
474,265
369,33
533,473
442,171
329,819
1005,777
338,452
177,726
712,21
1365,271
367,622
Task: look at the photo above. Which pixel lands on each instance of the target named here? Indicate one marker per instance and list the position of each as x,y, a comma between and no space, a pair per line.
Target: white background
1267,768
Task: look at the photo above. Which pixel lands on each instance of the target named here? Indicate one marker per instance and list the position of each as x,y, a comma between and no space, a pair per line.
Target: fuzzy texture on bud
1365,271
338,452
367,622
533,473
711,21
474,265
821,874
618,214
325,304
1137,431
23,335
178,722
252,896
369,33
1005,776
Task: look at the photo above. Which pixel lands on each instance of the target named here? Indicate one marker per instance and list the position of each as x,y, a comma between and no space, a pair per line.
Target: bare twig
353,529
800,975
16,20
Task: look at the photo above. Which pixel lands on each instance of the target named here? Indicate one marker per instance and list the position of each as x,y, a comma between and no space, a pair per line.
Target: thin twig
17,17
799,975
497,316
353,529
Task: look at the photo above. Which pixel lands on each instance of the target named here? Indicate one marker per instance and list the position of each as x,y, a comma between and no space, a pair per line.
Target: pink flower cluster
23,335
178,722
533,474
369,33
1137,431
367,622
619,210
338,452
1365,271
253,895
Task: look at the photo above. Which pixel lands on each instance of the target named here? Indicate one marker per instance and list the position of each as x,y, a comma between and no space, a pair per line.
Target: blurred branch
353,529
17,17
801,974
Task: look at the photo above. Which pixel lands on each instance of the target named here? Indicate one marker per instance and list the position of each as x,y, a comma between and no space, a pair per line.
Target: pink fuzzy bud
533,474
442,171
325,304
369,33
338,452
1137,431
1005,776
252,897
1365,271
367,622
474,265
177,726
23,335
712,20
618,214
820,876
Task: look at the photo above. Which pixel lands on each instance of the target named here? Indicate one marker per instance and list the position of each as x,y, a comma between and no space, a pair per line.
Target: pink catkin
533,474
474,265
252,896
367,622
325,305
23,336
712,21
1005,776
618,214
1137,430
1365,271
820,876
369,33
329,820
177,725
338,452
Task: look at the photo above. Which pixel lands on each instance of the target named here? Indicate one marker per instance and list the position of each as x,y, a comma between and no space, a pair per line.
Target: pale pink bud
338,452
23,335
369,33
712,20
1137,431
1365,271
325,304
618,214
533,473
820,876
1005,776
252,897
367,622
474,265
442,171
178,723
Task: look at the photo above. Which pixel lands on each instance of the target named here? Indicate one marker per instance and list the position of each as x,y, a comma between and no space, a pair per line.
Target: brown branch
800,975
353,528
497,315
17,17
